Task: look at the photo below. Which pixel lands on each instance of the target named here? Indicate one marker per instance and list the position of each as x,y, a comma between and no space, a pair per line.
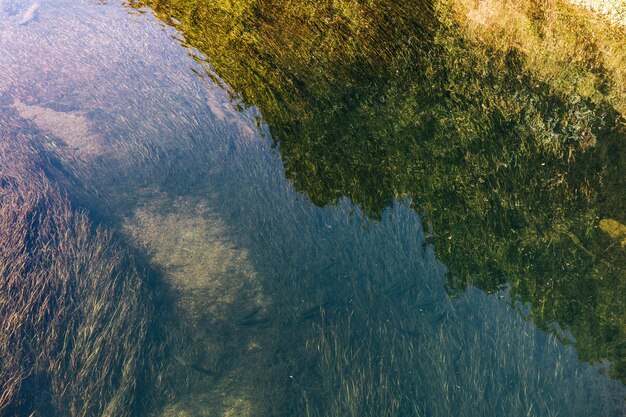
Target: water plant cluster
79,335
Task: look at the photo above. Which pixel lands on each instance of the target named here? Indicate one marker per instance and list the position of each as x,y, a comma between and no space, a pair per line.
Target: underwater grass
368,329
78,319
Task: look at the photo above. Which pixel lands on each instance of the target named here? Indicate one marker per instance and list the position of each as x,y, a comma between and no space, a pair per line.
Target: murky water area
271,305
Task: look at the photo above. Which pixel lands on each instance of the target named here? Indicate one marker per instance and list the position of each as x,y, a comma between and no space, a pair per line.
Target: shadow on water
278,307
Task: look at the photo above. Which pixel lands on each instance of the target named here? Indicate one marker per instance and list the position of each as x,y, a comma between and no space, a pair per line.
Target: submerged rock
74,129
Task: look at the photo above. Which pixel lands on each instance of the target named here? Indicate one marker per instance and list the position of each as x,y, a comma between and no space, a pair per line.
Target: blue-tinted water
283,307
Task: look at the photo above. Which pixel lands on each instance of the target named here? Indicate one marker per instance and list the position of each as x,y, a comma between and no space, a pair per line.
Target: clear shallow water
283,307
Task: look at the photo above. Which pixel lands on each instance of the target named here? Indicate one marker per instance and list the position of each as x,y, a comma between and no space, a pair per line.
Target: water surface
350,211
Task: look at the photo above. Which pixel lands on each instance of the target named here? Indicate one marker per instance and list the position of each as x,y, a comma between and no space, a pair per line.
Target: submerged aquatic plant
78,323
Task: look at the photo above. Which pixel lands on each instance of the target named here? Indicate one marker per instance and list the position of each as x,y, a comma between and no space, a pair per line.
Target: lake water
391,213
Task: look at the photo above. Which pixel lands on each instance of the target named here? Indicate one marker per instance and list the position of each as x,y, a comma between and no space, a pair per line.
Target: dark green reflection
513,155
